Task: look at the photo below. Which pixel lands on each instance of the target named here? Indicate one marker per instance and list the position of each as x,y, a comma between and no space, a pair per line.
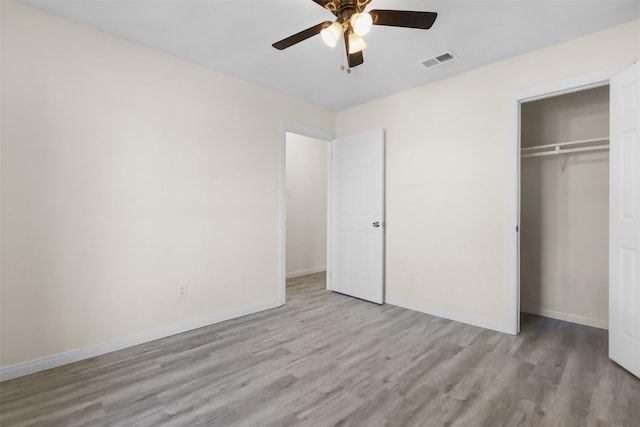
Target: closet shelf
576,146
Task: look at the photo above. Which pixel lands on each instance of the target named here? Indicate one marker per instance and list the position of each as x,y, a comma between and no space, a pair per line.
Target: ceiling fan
353,22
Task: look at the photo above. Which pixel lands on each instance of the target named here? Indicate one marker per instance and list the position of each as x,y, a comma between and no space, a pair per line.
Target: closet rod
568,150
563,144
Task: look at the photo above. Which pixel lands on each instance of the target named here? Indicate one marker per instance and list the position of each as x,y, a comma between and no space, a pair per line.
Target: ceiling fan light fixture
331,34
356,43
361,23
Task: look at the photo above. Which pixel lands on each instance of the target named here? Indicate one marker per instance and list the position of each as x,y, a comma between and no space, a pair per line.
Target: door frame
281,185
512,176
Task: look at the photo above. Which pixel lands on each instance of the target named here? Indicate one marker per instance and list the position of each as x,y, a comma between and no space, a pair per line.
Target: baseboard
567,317
59,359
304,272
451,315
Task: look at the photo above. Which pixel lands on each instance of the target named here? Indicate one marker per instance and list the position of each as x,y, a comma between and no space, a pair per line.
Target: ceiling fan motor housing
343,9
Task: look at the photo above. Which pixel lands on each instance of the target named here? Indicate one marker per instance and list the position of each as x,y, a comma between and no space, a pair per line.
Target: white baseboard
58,359
567,317
304,272
451,315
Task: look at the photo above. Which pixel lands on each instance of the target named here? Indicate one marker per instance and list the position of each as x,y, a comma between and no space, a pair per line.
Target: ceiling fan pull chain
341,53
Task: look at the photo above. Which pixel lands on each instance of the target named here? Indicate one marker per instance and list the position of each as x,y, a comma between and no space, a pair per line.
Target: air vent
440,59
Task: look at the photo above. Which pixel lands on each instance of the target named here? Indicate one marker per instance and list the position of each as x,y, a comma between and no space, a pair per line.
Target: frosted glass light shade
331,34
361,23
356,43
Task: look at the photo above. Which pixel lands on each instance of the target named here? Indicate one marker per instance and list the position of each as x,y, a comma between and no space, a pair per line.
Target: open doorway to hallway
307,162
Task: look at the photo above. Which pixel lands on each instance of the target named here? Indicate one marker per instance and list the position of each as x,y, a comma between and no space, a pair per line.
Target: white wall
126,172
445,172
564,240
306,205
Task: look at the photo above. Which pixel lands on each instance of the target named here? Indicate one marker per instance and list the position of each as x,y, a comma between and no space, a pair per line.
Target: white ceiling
235,37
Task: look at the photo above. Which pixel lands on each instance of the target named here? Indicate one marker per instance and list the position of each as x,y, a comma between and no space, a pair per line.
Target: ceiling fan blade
322,3
403,18
353,59
301,36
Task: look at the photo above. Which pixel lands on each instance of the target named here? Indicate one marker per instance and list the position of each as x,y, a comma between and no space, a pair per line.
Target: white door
624,221
356,233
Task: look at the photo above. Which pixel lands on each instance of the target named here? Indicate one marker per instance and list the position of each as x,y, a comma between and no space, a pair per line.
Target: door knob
376,224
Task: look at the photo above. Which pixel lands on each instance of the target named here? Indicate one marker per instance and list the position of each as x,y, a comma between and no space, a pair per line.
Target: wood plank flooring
326,359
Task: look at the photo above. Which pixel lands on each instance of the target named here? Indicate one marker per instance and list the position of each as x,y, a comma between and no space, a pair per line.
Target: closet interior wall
564,210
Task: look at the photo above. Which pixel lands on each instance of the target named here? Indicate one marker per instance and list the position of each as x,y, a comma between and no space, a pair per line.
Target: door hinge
517,229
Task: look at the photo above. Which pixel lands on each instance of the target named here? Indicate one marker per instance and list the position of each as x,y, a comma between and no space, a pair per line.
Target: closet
564,217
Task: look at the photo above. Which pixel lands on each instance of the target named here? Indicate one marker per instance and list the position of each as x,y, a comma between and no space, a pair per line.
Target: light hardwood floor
327,359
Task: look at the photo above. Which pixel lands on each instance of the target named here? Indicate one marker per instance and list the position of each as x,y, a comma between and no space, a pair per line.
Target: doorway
306,169
302,133
354,212
513,201
564,207
623,211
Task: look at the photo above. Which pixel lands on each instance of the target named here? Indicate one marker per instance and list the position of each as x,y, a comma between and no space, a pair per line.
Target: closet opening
564,208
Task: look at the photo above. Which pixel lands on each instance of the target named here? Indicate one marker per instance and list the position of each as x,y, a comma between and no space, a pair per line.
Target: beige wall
306,205
445,171
126,172
565,213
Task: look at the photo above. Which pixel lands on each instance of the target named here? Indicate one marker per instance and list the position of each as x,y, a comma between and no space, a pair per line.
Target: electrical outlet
182,290
414,276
